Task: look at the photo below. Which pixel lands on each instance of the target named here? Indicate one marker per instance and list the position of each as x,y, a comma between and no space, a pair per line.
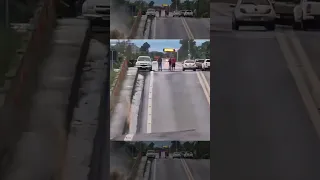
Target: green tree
145,47
151,3
151,146
202,148
188,146
175,146
175,4
204,50
185,45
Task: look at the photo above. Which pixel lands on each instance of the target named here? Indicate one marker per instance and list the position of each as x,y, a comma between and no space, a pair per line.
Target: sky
158,45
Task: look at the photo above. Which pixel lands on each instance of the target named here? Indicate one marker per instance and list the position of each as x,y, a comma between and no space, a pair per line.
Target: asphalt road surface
258,112
175,101
180,28
173,169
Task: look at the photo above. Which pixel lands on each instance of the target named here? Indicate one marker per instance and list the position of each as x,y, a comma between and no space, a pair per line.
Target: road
180,28
258,107
178,101
173,169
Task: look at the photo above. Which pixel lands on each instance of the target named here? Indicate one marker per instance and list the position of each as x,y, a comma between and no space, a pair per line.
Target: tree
183,51
175,145
202,148
188,146
145,47
174,4
151,3
204,50
151,146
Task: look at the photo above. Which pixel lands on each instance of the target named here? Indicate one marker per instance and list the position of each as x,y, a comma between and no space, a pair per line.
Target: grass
112,76
10,41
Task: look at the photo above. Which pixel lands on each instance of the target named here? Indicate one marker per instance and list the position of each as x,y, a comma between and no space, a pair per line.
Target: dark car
199,63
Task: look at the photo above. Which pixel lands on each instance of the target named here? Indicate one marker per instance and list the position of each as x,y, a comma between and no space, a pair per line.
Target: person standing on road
159,64
170,64
173,63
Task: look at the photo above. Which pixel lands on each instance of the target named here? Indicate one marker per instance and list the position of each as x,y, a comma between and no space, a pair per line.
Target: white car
188,13
206,65
176,155
144,62
189,64
182,12
96,9
151,154
176,14
306,13
254,13
151,12
188,155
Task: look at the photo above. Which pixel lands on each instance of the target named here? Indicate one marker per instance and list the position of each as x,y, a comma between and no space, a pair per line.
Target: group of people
166,12
172,64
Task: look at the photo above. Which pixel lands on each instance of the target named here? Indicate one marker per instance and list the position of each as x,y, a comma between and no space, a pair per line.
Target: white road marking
186,27
300,82
154,169
305,61
154,28
149,121
128,137
205,90
187,170
205,82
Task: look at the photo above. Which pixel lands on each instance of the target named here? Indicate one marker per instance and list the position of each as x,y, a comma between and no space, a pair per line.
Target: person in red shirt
173,63
170,65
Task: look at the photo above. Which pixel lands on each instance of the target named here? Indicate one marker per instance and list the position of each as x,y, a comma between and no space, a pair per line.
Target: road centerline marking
187,29
299,80
206,93
154,27
205,82
186,169
149,120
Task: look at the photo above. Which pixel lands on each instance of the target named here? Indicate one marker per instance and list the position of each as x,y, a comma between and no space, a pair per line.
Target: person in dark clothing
159,64
173,63
159,12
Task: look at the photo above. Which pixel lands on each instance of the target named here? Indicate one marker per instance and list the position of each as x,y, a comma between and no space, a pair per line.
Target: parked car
176,155
189,65
199,63
254,13
206,65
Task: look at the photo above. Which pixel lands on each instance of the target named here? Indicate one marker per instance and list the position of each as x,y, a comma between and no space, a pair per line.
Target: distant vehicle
206,65
144,62
176,155
188,13
182,13
97,11
176,14
151,12
306,13
189,65
284,10
151,154
188,155
254,13
199,63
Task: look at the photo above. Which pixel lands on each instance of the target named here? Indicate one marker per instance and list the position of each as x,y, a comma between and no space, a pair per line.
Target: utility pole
176,5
